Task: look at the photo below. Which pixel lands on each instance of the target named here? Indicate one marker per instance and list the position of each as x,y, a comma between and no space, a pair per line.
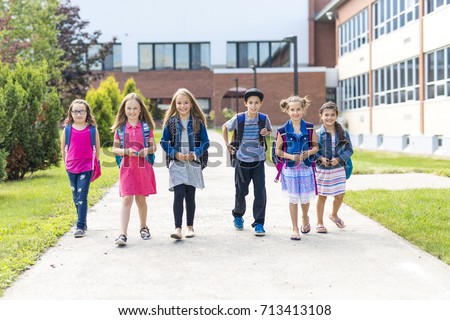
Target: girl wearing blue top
185,141
335,148
297,176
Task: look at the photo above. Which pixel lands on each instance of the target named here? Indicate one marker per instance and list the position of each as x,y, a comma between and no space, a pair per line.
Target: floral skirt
331,182
298,183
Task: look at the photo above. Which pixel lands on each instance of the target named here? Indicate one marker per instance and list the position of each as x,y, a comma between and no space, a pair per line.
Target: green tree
33,141
75,41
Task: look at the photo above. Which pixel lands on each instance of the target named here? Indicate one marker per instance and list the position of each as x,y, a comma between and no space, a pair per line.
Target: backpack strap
145,133
239,131
310,128
121,134
262,125
67,132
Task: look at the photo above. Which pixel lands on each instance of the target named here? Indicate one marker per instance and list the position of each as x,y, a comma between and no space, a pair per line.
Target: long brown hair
196,111
337,126
89,116
121,117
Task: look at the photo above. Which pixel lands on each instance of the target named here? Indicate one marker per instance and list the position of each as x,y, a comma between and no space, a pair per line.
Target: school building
385,62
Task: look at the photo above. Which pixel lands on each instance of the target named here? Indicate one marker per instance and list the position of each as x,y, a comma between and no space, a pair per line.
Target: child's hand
143,152
334,161
231,149
264,132
189,157
179,156
324,161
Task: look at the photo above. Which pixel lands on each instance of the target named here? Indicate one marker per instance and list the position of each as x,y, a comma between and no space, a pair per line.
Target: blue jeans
79,184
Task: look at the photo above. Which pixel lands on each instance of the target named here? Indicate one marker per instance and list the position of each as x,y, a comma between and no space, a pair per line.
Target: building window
437,73
174,56
354,33
354,93
431,5
390,15
264,54
113,61
396,83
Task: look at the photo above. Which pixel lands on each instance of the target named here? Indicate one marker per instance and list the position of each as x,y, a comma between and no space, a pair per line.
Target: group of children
185,142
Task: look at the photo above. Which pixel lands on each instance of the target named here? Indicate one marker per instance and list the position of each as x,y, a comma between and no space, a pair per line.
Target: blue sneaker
259,230
238,223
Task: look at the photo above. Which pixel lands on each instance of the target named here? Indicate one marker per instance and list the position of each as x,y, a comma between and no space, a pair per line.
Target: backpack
172,127
348,164
92,133
279,162
238,134
145,133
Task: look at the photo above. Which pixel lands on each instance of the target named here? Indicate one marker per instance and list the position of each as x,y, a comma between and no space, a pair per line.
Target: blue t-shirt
250,149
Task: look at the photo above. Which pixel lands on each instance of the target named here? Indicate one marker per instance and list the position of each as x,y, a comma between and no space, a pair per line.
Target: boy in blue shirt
250,129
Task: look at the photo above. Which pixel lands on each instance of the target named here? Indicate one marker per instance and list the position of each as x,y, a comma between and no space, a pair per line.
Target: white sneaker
176,234
190,233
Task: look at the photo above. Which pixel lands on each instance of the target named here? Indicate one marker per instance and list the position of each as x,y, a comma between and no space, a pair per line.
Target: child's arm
230,148
280,152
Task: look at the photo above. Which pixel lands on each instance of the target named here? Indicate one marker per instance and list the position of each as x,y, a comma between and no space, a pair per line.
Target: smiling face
295,111
132,111
79,113
253,105
184,106
328,116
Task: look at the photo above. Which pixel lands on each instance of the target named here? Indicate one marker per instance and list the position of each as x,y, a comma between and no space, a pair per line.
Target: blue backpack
145,133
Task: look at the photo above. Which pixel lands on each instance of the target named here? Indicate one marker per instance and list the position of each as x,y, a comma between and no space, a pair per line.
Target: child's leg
127,201
305,218
141,202
179,193
83,181
190,205
259,189
293,210
241,182
73,187
337,204
320,208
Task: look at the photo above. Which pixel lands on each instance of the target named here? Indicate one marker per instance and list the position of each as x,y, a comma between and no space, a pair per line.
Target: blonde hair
304,102
196,112
144,115
89,116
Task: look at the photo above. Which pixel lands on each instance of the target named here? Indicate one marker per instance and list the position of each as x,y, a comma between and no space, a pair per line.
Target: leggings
187,193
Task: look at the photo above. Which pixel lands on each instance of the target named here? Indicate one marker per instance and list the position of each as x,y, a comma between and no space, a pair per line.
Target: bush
228,113
33,110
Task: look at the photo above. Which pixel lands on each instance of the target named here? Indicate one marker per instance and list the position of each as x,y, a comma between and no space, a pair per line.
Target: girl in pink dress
136,179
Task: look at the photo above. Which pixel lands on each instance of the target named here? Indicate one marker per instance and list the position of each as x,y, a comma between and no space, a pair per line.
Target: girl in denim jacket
297,176
335,148
185,141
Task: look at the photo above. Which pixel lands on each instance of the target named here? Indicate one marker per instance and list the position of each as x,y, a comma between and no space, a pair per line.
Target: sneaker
145,233
259,230
121,240
190,233
176,234
238,223
79,233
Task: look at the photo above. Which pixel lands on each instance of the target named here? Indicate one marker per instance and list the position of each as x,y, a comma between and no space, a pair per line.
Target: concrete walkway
362,261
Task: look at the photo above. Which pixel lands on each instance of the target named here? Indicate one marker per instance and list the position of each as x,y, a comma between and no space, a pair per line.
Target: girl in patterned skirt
297,175
335,148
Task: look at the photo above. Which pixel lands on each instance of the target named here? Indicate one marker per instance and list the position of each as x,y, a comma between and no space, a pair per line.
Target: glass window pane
402,74
440,65
163,56
231,55
182,56
205,59
243,55
280,54
440,90
410,79
196,56
430,92
92,51
264,54
395,76
252,54
145,56
117,56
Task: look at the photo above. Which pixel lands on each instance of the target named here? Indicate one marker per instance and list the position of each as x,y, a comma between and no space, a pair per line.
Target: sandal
145,233
295,237
339,223
305,229
321,229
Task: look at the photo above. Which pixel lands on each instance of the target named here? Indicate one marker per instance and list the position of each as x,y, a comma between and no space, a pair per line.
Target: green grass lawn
35,212
421,216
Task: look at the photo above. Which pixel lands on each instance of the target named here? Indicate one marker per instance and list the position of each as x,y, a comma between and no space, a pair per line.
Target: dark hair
337,126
